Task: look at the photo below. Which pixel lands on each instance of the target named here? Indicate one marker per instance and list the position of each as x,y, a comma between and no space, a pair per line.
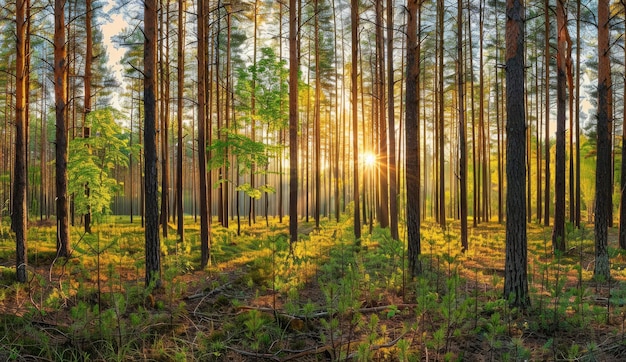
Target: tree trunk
153,247
60,96
354,15
383,156
412,140
603,161
622,203
391,129
558,232
441,215
179,118
515,269
547,198
87,95
202,144
317,115
462,127
164,67
293,121
19,212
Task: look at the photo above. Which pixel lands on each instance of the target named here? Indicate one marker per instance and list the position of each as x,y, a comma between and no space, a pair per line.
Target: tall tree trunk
19,210
293,121
354,16
383,157
317,115
441,216
202,143
164,68
412,158
558,232
60,96
547,199
180,55
227,112
153,245
391,129
603,161
622,201
87,95
578,51
252,210
462,127
515,268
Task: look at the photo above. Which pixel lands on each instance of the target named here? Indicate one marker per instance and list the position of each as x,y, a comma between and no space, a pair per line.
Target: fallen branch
380,346
206,295
328,314
254,354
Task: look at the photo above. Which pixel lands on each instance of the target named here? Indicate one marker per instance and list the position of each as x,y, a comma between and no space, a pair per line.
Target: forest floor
323,298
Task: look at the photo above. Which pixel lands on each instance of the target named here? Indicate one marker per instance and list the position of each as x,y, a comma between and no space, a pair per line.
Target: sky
109,29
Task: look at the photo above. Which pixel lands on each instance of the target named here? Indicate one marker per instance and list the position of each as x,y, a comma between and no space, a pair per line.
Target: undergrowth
325,297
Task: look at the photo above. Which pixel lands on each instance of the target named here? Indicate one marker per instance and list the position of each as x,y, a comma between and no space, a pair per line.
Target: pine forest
321,180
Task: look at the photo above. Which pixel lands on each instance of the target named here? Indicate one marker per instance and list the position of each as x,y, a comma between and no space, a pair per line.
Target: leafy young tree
93,161
515,268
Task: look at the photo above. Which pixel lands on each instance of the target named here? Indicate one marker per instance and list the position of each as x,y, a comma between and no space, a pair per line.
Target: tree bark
60,95
462,127
153,247
391,129
87,95
413,217
202,144
515,269
354,15
19,214
603,161
558,231
547,198
383,157
180,54
164,67
293,121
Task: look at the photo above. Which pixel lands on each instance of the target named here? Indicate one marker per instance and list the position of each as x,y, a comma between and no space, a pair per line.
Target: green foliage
93,160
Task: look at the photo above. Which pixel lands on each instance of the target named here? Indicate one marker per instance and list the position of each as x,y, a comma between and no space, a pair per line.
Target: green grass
325,298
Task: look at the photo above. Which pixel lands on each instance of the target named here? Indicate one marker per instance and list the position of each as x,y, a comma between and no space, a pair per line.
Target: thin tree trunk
462,126
383,157
441,216
164,67
87,95
547,198
180,55
317,115
391,129
293,121
354,15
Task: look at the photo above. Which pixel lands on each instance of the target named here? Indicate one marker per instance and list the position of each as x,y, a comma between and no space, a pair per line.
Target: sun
369,159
